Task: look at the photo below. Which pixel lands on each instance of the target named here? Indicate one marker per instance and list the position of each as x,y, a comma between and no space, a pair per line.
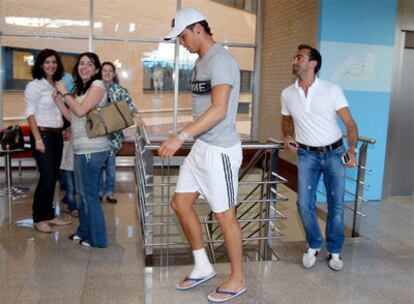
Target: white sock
335,256
313,250
202,265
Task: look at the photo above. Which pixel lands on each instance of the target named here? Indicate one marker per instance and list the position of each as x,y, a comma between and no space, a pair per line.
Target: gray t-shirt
215,68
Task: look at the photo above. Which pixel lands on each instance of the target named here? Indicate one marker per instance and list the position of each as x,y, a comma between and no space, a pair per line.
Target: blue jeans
108,177
68,180
88,169
311,165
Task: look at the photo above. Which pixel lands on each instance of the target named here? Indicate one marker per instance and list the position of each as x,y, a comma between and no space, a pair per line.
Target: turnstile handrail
261,219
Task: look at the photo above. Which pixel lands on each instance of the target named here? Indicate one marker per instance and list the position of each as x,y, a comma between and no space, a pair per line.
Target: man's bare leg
233,238
183,203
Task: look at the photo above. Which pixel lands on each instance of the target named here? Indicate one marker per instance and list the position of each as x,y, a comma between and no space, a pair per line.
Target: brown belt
47,129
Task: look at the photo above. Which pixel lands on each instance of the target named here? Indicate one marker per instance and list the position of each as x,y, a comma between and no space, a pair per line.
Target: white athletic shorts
213,172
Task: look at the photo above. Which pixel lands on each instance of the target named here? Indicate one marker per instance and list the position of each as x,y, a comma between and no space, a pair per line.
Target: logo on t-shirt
201,87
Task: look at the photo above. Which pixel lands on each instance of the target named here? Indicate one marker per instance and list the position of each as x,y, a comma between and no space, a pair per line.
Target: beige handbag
112,117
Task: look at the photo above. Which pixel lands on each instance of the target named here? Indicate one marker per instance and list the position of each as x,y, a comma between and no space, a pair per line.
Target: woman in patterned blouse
116,93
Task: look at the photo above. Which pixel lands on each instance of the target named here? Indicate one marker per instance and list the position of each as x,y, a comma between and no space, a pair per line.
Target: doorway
399,175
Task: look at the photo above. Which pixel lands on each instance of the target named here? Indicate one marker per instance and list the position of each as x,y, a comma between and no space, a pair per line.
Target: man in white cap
211,168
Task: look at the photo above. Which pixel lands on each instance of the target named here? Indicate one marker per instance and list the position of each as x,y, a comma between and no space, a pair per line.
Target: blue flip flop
233,294
196,281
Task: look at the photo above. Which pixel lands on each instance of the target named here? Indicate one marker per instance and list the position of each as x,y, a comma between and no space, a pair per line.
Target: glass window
18,66
13,98
57,17
134,19
129,34
145,69
227,23
247,5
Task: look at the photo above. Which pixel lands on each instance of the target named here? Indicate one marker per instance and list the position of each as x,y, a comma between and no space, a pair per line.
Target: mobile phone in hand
345,158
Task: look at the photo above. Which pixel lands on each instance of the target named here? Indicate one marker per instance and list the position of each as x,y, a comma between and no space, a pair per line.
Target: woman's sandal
58,222
43,227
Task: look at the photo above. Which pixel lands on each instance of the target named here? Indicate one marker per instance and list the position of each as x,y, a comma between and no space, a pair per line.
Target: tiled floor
48,268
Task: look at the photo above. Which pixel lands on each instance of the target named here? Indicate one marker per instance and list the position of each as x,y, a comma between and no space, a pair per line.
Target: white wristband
182,136
354,149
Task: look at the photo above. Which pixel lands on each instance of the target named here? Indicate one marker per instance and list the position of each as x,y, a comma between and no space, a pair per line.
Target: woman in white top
45,121
90,153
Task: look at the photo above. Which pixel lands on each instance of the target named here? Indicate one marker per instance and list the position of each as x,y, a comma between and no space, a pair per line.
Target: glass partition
133,19
17,59
129,34
49,18
145,69
227,23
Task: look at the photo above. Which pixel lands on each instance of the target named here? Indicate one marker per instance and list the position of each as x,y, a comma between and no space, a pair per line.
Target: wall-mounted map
357,67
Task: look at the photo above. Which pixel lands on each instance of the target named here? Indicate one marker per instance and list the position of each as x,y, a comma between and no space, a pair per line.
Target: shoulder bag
112,117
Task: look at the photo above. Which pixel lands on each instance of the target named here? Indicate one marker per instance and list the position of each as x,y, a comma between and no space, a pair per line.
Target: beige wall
286,23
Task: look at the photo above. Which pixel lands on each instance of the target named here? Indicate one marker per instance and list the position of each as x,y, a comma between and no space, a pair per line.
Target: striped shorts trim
213,172
229,180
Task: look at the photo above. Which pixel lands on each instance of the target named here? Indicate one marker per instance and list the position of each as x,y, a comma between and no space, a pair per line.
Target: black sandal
111,199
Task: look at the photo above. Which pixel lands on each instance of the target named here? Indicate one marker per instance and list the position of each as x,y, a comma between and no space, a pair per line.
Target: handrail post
210,231
359,188
265,163
271,206
144,171
210,244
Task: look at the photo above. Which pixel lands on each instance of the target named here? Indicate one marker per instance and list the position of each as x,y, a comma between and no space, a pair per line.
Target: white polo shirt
315,118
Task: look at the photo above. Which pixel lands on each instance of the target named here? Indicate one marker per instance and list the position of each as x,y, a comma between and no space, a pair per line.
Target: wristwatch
182,136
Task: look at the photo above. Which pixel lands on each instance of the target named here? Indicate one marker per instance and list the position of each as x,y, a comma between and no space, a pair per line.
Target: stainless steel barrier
360,183
257,209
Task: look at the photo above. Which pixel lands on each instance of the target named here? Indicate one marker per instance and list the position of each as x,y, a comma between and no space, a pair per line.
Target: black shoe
111,199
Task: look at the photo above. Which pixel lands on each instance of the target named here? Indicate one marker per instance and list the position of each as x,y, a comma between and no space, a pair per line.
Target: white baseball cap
183,18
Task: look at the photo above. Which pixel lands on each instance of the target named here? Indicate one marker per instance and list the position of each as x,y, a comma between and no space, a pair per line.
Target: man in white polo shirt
310,108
